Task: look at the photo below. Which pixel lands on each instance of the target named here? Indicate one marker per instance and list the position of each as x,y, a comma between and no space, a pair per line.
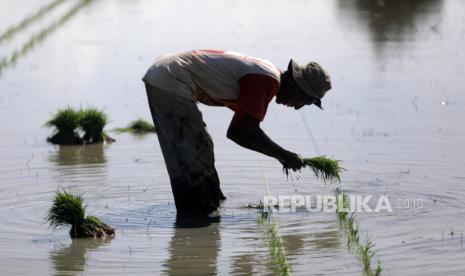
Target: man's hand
292,161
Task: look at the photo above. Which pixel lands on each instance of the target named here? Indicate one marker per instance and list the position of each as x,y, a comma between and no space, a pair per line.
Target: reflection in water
86,164
77,155
243,264
194,247
327,239
143,136
293,244
317,238
70,260
392,20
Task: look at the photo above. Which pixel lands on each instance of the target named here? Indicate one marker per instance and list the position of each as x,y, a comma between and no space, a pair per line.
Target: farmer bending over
245,84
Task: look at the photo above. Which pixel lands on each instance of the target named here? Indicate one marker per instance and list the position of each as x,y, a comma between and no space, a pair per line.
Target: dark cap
312,79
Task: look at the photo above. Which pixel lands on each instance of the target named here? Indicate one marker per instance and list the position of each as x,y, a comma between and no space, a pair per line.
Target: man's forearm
257,140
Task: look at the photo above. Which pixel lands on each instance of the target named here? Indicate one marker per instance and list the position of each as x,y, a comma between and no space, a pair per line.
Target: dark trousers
188,152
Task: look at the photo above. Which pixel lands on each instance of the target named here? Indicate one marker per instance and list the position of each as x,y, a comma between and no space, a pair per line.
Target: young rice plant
68,209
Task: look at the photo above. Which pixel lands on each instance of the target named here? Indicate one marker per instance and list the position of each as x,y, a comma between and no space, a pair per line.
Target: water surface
393,117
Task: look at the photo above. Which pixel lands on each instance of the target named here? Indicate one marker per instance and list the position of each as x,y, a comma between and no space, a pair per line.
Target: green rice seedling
366,254
68,209
275,242
342,205
65,119
69,122
262,214
349,225
65,122
277,249
92,121
379,269
352,228
138,126
324,168
141,125
260,219
283,266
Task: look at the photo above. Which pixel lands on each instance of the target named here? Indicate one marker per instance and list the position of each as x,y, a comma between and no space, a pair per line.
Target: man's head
303,85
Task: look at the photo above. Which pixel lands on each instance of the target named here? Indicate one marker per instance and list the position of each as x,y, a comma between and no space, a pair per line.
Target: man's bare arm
246,132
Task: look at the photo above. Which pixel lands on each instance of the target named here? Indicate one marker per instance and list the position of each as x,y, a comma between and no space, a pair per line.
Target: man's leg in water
188,152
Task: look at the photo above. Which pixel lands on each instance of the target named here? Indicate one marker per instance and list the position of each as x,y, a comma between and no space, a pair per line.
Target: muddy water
393,117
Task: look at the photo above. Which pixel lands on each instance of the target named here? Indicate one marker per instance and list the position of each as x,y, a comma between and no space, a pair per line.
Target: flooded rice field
393,118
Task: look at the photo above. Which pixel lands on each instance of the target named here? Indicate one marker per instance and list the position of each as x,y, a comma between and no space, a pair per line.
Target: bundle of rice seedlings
323,168
138,126
68,123
68,209
92,121
65,121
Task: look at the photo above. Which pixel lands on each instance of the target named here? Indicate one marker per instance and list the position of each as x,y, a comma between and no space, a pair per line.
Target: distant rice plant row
38,37
12,30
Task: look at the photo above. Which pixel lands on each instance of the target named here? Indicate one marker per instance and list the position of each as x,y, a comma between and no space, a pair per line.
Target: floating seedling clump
323,168
92,121
68,123
65,122
138,126
68,209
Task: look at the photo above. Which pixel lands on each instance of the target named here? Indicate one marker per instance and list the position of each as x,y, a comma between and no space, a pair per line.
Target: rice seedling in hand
324,168
138,126
65,122
92,121
68,209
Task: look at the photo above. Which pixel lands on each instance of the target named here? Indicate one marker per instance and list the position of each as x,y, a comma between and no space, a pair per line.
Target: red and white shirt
243,83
